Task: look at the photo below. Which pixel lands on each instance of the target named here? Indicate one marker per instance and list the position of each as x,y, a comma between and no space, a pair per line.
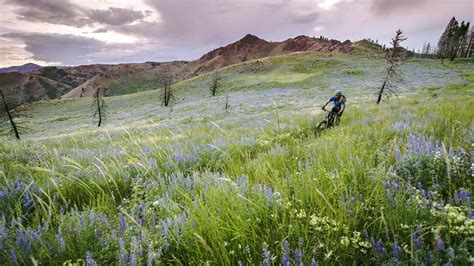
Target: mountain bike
331,119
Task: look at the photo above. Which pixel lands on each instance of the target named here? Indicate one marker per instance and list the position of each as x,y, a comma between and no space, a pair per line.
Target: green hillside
196,184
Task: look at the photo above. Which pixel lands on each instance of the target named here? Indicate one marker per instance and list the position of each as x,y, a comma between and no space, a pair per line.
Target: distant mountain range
31,82
26,68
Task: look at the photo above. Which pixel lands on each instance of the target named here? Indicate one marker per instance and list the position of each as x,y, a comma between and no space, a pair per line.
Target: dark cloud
65,12
74,50
101,30
390,6
210,23
115,16
56,12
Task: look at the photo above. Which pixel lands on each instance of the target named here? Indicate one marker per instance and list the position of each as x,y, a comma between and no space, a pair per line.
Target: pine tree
452,41
470,44
443,43
458,38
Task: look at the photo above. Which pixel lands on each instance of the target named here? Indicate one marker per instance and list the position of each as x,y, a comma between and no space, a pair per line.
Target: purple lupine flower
89,260
297,257
440,244
113,234
266,257
390,197
121,243
92,217
3,234
396,252
133,260
286,254
398,155
123,259
150,255
21,238
122,223
28,249
153,222
301,245
379,249
430,258
366,234
417,237
314,262
62,244
134,243
456,199
143,238
13,256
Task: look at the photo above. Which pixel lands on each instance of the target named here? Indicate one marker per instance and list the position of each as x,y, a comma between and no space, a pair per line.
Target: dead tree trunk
226,102
99,105
393,58
10,117
215,83
380,94
99,111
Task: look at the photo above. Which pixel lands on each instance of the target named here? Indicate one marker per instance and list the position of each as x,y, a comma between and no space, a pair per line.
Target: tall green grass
274,195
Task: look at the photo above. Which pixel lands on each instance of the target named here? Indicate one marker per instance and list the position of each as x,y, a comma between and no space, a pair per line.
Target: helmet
338,93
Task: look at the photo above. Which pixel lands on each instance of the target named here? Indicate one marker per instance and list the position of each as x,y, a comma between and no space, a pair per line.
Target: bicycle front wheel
323,125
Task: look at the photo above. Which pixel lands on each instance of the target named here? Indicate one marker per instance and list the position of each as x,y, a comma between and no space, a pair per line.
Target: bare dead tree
215,83
167,95
394,56
227,106
9,116
99,104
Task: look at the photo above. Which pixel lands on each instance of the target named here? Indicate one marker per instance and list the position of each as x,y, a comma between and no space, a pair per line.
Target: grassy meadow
253,185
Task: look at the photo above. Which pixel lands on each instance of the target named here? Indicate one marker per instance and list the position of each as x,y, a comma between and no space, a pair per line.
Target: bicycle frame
331,118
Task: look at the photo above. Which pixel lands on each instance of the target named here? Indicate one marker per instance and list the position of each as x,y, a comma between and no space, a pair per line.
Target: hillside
131,78
26,68
196,184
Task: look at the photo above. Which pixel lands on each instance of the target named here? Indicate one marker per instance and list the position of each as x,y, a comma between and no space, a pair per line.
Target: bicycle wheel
323,125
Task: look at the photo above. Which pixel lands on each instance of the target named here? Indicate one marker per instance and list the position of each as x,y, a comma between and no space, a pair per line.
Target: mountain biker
339,103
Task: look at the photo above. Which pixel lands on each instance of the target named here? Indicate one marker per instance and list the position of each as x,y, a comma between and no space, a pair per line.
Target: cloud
115,16
65,12
389,6
186,29
200,26
74,50
56,12
101,30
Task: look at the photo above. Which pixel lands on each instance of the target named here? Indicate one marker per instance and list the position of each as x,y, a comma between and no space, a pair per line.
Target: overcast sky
74,32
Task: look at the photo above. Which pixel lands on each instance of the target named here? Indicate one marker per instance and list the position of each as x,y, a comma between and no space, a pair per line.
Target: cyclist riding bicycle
339,103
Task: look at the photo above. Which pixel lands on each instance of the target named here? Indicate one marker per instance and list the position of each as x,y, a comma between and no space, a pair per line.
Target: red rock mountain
81,81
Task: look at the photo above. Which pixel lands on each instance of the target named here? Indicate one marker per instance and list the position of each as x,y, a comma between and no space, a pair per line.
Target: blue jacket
338,103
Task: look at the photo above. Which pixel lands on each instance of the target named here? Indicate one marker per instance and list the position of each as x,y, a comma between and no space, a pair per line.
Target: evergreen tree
443,43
